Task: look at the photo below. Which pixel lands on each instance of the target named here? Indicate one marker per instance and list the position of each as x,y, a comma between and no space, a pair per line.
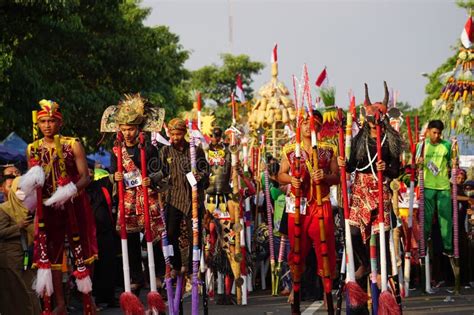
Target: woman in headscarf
16,236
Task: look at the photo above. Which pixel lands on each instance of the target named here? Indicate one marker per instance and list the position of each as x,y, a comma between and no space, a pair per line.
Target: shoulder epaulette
327,145
289,147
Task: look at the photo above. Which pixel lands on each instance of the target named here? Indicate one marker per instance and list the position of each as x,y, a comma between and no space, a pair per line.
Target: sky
358,41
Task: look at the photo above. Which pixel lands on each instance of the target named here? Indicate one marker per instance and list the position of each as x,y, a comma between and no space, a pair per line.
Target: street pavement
262,303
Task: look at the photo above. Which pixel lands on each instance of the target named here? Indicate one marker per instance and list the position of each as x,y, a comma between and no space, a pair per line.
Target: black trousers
174,217
105,268
137,263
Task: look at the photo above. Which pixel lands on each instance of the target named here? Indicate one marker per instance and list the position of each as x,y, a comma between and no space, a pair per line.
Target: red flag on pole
467,37
274,54
239,89
322,76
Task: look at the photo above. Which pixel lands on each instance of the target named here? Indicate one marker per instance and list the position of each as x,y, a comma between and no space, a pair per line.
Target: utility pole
231,26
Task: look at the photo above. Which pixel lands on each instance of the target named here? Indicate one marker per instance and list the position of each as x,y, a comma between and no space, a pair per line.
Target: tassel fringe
387,304
130,304
84,285
357,296
155,302
43,283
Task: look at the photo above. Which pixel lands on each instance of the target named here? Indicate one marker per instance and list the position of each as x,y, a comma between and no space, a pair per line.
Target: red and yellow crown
49,109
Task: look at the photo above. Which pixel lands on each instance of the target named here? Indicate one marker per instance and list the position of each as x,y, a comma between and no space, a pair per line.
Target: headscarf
177,124
16,210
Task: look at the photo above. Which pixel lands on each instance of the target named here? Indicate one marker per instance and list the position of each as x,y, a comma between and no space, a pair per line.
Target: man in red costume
327,175
66,210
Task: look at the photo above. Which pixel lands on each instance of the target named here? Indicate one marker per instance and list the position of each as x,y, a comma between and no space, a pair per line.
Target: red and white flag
274,54
467,37
323,76
239,89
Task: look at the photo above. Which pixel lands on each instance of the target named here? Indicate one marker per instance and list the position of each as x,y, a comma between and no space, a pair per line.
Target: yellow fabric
14,208
403,212
48,168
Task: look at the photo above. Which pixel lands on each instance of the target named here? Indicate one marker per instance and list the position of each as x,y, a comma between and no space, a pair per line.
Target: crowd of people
166,214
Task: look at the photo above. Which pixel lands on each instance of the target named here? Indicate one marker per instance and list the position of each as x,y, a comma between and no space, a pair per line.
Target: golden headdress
133,110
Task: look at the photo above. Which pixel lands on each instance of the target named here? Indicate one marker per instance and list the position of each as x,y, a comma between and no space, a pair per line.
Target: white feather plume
62,195
32,179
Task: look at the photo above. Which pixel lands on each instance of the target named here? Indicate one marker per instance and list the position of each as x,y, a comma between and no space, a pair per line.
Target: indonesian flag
239,90
274,54
321,78
466,35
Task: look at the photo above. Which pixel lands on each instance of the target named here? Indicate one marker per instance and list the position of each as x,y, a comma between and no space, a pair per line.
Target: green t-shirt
437,160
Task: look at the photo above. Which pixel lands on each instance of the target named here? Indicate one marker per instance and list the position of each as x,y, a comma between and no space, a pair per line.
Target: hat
49,109
131,110
217,132
177,124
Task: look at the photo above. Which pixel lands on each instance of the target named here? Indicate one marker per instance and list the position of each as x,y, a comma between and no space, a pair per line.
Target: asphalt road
262,303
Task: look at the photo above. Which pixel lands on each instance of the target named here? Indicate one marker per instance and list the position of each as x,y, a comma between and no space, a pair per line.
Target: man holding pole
130,119
66,211
327,175
175,160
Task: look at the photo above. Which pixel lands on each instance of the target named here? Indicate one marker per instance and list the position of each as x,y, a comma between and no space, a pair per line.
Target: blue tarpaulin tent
16,143
102,157
8,155
13,150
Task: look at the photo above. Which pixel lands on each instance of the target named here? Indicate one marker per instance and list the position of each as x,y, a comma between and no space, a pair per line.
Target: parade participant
17,296
10,169
131,118
327,175
219,189
66,212
364,212
437,190
217,195
175,160
100,196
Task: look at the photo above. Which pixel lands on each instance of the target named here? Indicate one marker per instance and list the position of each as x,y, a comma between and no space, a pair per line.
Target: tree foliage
85,55
216,82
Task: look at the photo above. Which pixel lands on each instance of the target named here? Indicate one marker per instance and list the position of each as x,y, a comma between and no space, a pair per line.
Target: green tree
216,82
85,55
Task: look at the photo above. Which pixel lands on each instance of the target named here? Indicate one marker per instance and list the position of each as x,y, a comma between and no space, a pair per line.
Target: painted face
49,126
435,135
177,136
129,132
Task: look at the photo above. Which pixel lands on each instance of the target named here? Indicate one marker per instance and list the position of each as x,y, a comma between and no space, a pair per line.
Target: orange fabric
310,236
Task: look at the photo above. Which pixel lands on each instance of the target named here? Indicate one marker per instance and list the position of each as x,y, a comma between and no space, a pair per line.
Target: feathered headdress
133,110
49,109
